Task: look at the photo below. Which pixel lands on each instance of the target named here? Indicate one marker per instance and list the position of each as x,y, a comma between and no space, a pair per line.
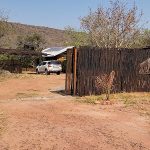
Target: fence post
74,70
68,72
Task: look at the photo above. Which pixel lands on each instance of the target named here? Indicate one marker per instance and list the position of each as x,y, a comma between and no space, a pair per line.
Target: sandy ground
35,118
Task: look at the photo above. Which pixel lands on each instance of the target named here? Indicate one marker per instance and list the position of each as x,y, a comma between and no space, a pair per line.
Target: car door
43,66
40,67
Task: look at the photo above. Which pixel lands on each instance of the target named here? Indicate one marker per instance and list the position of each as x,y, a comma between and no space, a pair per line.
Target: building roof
54,51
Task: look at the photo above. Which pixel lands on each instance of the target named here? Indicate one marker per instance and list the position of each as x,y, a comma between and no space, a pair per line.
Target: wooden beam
19,52
68,72
74,70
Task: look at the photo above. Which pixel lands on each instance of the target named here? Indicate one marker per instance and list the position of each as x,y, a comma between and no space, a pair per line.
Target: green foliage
29,61
25,61
64,63
30,42
4,57
77,38
145,39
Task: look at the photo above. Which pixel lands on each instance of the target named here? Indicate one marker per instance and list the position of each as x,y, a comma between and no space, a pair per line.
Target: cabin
55,53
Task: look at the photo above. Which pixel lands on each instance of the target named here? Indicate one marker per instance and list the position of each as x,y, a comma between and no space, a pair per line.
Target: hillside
53,37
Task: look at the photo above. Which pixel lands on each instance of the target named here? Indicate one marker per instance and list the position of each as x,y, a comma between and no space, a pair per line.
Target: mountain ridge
53,37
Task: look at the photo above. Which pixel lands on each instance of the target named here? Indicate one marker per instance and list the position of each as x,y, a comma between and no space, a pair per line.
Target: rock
4,72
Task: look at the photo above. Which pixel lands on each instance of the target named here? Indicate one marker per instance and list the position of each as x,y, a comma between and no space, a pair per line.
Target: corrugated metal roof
54,51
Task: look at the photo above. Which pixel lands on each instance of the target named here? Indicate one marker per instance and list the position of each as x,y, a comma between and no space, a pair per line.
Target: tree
34,42
113,27
31,42
77,38
145,38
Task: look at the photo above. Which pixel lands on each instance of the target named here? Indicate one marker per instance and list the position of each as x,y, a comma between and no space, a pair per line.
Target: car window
40,64
44,63
55,62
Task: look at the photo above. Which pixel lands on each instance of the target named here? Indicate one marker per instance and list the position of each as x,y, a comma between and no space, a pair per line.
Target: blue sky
59,13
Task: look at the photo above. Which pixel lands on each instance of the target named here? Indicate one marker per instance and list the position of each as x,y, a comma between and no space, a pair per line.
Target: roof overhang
55,51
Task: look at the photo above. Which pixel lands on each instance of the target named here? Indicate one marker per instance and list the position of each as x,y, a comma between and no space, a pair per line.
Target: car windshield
54,62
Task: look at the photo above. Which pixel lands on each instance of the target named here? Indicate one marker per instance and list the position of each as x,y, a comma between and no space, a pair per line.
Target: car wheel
58,73
47,72
37,72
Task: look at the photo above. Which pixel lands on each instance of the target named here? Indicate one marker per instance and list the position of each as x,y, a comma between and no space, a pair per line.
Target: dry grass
137,101
26,95
24,75
92,99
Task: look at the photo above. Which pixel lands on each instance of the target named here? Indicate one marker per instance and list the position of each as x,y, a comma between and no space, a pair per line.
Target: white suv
49,66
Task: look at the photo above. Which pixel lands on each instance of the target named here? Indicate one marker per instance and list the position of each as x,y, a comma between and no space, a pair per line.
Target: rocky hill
53,37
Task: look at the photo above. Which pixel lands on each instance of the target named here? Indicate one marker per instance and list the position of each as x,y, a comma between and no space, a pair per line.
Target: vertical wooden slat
92,62
74,70
68,83
125,62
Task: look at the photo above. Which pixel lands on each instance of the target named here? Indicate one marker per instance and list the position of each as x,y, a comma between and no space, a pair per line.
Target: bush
64,65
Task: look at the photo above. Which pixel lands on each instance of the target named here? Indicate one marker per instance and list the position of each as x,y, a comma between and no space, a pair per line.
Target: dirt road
35,118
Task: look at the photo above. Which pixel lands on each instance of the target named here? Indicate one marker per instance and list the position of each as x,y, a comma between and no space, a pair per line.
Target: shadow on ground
61,92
